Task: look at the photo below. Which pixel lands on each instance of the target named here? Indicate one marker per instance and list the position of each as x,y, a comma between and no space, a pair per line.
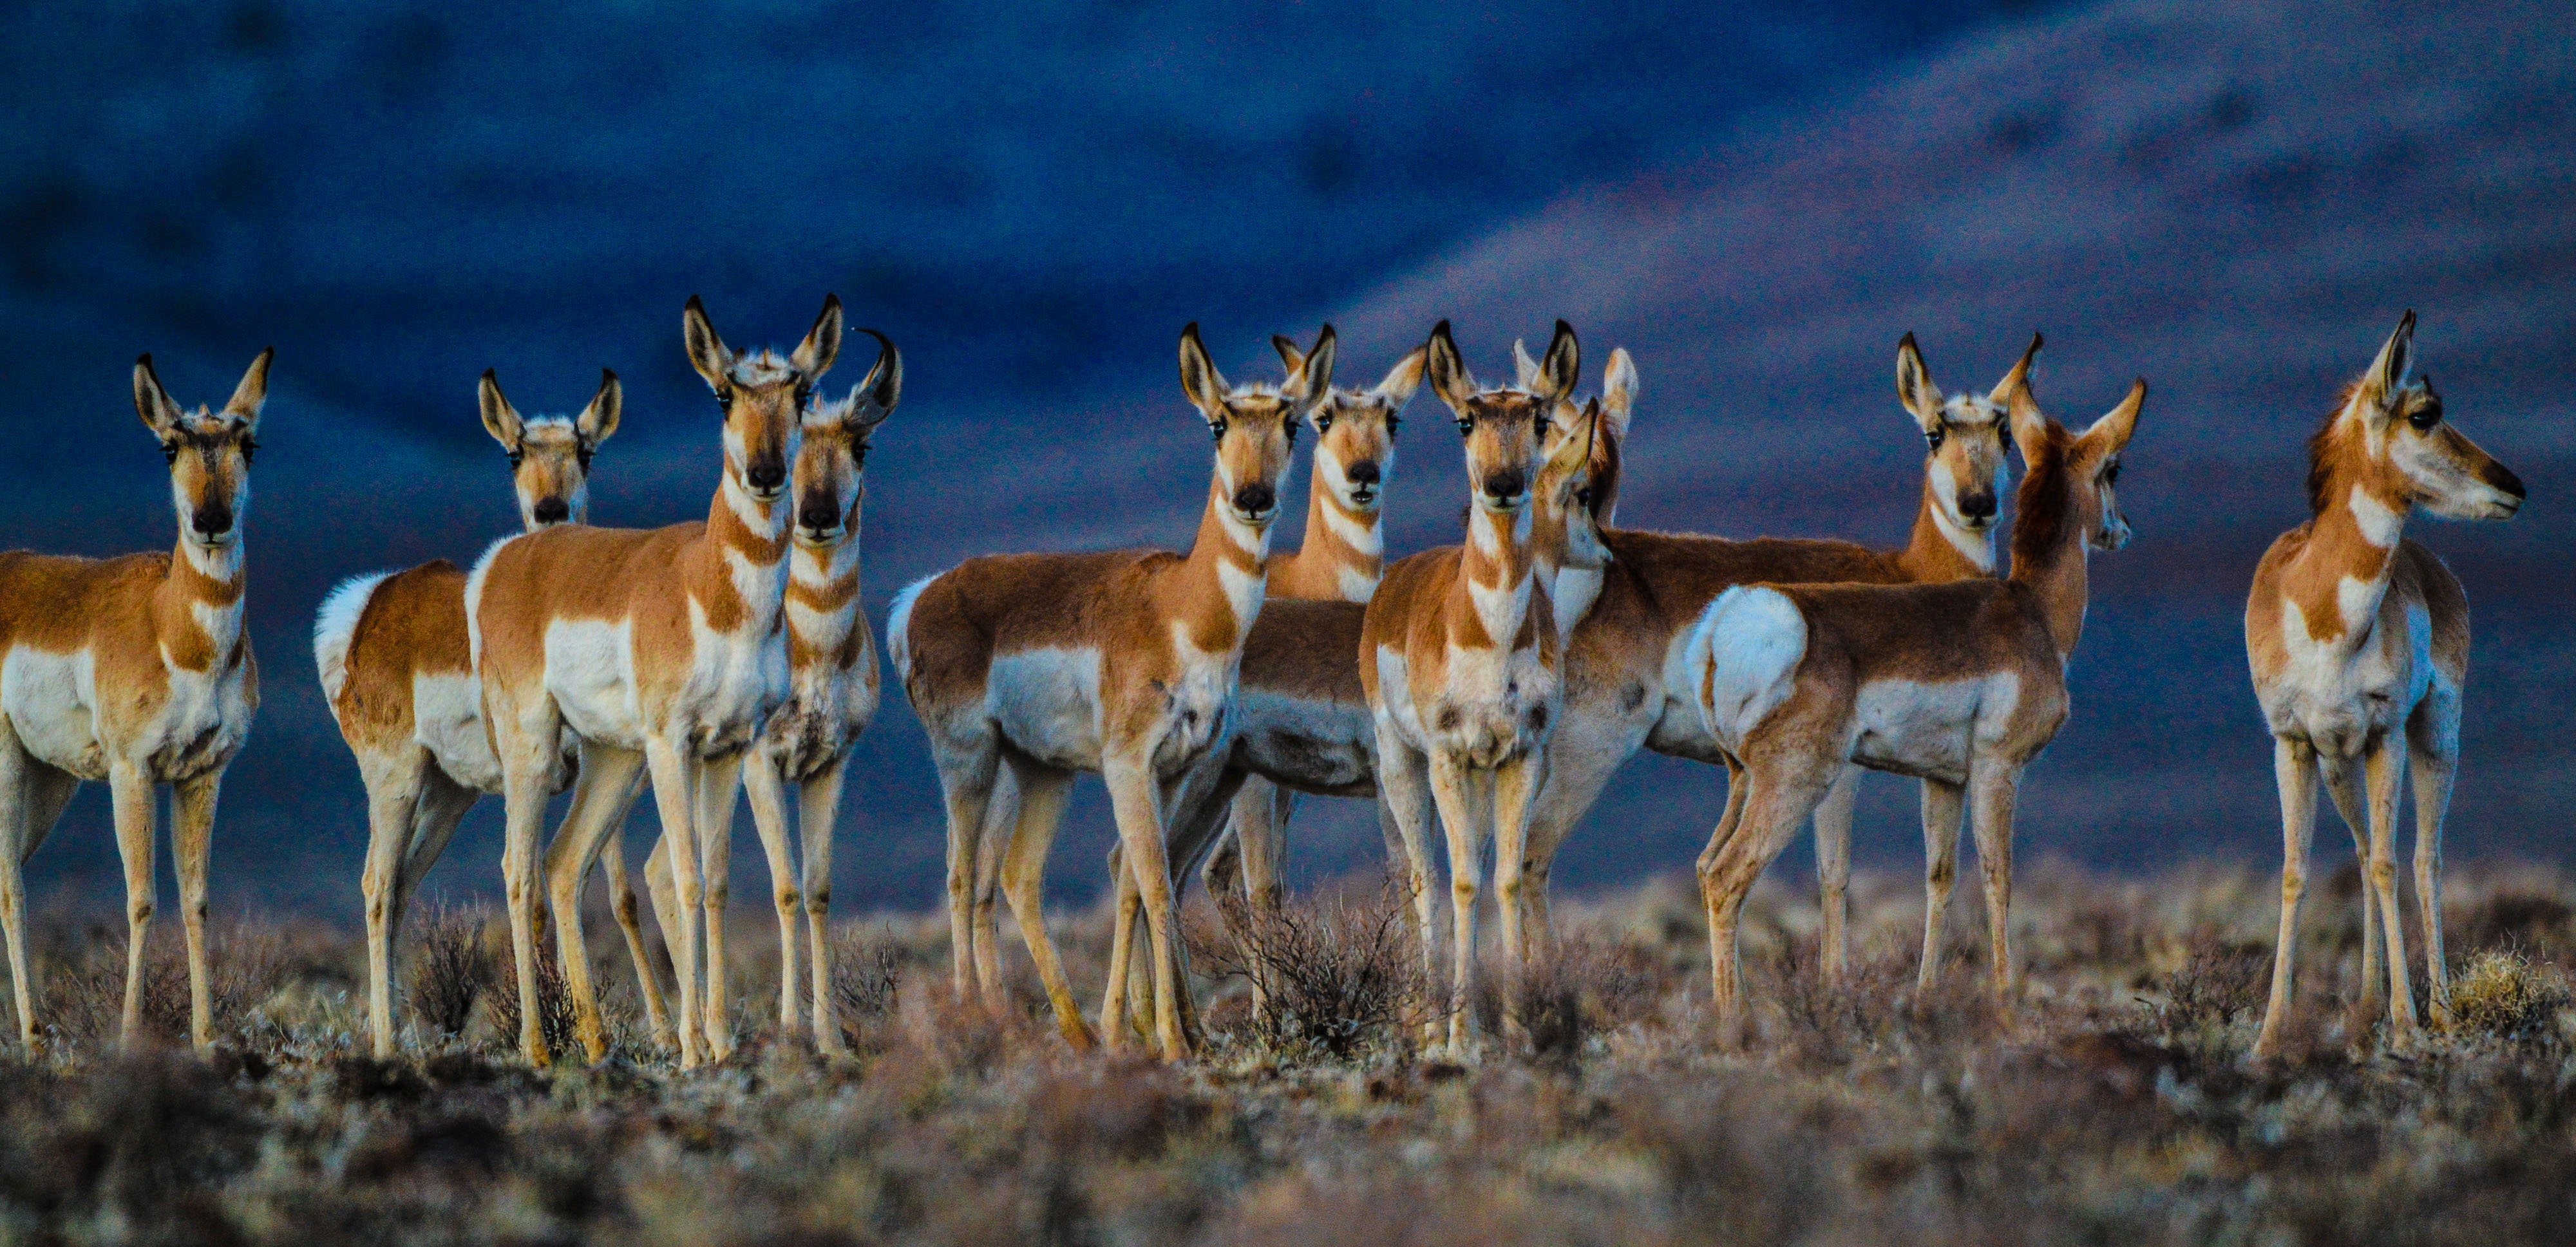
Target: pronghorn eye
2112,477
1466,424
1292,432
518,455
170,453
1933,437
1216,429
250,447
581,455
1583,497
804,393
724,398
2425,419
1392,422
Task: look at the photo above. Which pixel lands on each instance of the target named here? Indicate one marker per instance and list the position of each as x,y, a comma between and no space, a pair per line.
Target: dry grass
2110,1104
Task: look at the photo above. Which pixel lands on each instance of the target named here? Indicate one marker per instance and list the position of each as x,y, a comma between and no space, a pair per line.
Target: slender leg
767,792
2345,783
599,799
1259,809
17,814
192,838
2385,768
1993,785
2292,763
2433,750
1944,804
393,800
131,791
1134,796
966,777
1001,820
1516,787
443,804
1833,876
716,782
1127,907
818,811
665,899
1404,802
679,849
1779,796
1042,792
621,902
1465,801
1580,764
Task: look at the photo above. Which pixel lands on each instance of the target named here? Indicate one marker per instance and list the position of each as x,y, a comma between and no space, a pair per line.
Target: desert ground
2111,1104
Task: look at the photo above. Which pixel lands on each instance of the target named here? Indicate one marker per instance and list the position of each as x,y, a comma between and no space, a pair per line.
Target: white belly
1927,729
1046,702
1311,746
48,698
590,672
447,720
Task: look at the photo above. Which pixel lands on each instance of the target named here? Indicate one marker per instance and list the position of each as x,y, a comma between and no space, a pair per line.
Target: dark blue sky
1032,198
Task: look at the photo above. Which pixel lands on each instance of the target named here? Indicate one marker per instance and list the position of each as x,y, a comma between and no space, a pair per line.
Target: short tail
335,626
899,627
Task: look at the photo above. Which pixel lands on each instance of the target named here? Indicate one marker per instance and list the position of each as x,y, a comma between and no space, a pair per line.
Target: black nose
1363,472
767,475
2503,479
214,519
819,514
1255,499
552,510
1505,485
1977,506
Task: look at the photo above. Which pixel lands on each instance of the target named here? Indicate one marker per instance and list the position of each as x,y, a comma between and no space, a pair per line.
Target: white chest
2339,696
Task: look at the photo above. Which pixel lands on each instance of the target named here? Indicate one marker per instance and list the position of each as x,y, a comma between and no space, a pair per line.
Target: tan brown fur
2357,637
171,687
1961,684
682,696
1123,662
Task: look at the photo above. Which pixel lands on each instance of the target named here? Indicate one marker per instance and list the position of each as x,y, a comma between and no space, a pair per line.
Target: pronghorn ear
1402,380
252,394
1309,384
1524,367
1200,380
707,352
1288,352
1619,391
2396,359
1446,371
151,401
2112,432
1582,436
882,388
500,419
598,420
1914,386
2017,379
813,357
2030,425
1561,367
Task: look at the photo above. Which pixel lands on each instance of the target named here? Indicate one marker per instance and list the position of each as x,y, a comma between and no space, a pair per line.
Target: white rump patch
333,627
899,625
1753,639
474,598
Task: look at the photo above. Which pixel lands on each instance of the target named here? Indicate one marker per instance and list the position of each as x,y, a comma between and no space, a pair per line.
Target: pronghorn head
1964,436
209,452
1599,495
550,455
1570,474
762,394
2070,477
2390,442
1503,427
831,461
1355,429
1255,425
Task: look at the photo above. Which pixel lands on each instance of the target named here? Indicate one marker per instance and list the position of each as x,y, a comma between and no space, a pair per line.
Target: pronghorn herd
1495,685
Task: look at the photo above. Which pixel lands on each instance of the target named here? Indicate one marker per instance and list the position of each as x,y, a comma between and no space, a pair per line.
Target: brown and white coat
134,670
2358,637
1121,662
1959,684
397,670
1460,656
659,649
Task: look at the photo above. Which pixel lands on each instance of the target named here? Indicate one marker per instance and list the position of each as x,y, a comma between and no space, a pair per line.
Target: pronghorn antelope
1459,656
831,695
1960,684
659,649
1340,560
1121,662
398,672
134,670
2355,636
1638,595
